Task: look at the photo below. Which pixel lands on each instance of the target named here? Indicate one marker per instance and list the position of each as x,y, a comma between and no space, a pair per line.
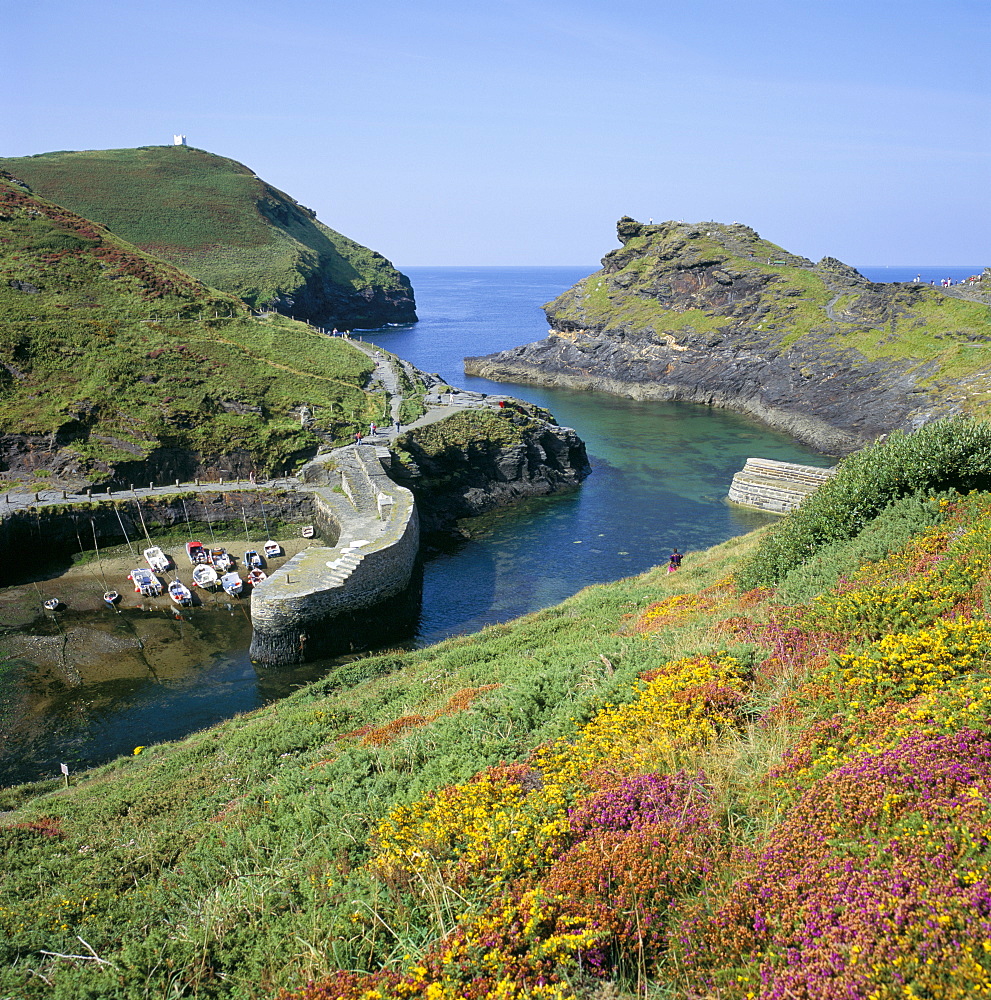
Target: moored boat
180,593
156,559
308,531
196,552
252,560
145,582
204,575
111,597
232,584
222,562
256,576
272,549
52,604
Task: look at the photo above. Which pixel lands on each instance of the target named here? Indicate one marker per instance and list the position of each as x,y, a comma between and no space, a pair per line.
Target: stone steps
775,486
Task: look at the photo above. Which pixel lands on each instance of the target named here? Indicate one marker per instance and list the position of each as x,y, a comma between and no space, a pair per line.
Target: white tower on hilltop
178,140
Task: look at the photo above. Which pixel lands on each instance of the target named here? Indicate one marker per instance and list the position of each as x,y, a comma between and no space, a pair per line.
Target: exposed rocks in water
711,313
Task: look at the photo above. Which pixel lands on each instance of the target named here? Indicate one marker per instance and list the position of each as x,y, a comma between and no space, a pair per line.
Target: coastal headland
711,313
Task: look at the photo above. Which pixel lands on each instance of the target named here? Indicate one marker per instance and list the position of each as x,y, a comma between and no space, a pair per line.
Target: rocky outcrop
713,314
476,461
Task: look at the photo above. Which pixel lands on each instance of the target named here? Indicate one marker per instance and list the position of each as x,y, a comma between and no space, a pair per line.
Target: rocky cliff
711,313
480,459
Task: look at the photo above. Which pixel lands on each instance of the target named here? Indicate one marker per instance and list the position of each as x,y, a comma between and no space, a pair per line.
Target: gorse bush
951,454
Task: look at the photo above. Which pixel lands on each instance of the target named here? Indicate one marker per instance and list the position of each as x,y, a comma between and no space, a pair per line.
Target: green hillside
215,219
673,786
112,359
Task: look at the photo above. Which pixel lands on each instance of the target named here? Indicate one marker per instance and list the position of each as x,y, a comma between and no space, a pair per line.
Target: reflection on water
98,684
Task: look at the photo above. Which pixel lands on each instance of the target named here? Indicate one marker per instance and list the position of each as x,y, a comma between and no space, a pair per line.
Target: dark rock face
29,454
466,481
325,303
708,314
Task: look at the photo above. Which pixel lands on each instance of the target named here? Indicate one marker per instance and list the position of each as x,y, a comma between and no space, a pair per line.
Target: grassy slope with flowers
667,785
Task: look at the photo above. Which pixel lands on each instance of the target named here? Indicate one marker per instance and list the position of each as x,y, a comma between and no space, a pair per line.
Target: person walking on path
373,429
357,437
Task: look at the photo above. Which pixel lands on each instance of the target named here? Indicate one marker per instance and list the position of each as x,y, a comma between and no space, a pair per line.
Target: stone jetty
776,486
372,529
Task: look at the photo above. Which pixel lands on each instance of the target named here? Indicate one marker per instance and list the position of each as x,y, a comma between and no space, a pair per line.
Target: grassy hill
676,785
113,359
215,219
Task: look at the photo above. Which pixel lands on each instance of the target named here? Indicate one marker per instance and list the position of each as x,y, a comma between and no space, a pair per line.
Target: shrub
951,454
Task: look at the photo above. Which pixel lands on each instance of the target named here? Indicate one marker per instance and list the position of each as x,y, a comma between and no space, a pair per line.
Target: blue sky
511,132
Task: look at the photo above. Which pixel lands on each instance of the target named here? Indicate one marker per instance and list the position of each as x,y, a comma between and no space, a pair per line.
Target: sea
660,476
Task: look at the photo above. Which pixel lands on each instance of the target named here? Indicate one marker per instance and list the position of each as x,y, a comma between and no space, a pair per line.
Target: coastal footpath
711,313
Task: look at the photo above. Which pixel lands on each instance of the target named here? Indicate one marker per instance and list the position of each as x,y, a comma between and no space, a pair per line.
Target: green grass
232,863
201,868
114,353
207,214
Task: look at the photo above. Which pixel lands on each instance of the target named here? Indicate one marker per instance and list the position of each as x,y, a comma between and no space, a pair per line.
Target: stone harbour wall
778,487
305,607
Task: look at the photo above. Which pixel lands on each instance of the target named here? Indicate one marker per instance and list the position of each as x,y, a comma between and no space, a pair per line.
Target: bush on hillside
951,454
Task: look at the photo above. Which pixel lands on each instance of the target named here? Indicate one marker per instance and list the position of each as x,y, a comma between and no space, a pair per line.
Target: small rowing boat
271,549
232,584
257,576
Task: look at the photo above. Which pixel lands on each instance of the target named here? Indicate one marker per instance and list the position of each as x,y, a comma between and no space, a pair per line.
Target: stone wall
775,486
305,608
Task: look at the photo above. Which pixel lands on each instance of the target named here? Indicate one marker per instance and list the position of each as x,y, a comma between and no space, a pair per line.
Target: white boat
52,604
156,559
196,552
222,562
308,531
111,597
252,560
272,549
179,593
232,584
145,582
257,576
204,575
